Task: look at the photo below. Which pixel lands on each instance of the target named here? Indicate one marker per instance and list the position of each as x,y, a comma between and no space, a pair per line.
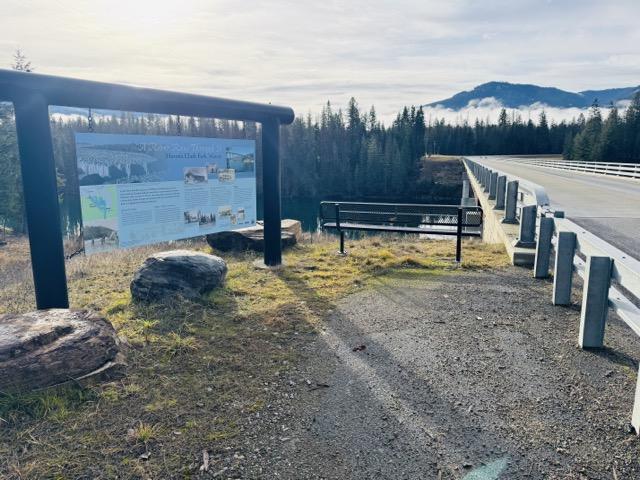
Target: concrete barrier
527,237
501,191
595,302
495,230
604,263
511,204
543,248
493,185
486,180
563,269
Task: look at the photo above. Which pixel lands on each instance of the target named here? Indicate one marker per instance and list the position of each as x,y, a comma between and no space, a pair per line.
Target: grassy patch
197,370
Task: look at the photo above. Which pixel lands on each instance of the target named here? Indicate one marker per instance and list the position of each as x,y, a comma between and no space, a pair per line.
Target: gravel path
469,375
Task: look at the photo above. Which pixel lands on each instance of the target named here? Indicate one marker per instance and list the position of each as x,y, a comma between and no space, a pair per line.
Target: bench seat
386,228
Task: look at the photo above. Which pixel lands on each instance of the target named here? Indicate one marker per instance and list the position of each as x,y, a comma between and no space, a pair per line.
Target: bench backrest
398,214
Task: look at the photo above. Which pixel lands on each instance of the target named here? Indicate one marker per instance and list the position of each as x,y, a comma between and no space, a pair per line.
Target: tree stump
48,347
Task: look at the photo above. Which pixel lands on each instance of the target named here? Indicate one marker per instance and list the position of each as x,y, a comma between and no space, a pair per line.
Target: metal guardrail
611,278
32,94
626,170
460,221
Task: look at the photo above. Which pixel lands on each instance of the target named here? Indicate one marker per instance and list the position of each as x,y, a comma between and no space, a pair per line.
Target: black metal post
41,201
271,192
339,229
459,236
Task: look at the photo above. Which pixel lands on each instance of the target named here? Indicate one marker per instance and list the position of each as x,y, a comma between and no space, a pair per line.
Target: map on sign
139,189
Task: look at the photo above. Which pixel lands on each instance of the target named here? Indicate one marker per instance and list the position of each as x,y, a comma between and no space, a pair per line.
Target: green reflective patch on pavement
490,471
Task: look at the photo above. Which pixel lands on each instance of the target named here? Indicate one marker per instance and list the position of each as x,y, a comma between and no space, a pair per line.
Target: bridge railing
627,170
611,279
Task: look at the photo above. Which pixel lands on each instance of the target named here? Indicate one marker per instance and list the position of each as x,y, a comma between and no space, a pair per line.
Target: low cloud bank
488,109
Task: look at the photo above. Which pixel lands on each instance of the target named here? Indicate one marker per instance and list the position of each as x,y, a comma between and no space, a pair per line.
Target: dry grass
14,262
197,370
443,158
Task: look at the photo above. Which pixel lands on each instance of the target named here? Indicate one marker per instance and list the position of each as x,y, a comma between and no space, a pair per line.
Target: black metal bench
451,220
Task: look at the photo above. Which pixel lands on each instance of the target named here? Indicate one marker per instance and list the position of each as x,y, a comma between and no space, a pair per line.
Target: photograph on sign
140,189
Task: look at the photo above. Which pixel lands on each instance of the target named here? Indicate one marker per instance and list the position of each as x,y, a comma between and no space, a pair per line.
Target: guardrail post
493,185
543,248
487,180
511,203
563,269
271,192
527,237
41,202
595,302
500,192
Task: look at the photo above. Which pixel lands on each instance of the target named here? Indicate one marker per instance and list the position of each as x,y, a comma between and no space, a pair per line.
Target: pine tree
11,195
585,143
542,140
607,146
631,135
20,62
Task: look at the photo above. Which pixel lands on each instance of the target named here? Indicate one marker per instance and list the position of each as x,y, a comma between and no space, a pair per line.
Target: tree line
346,154
616,139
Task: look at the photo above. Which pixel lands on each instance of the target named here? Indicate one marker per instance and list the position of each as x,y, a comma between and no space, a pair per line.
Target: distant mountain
514,95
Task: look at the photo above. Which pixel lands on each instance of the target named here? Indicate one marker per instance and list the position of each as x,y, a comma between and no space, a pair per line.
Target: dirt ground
389,363
473,376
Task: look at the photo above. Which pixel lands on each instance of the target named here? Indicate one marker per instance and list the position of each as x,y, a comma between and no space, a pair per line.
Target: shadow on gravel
394,424
449,376
615,356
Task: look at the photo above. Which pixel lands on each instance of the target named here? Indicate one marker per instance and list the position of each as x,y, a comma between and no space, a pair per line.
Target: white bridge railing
628,170
611,278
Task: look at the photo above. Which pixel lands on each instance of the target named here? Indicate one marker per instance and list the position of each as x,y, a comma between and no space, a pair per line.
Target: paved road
608,207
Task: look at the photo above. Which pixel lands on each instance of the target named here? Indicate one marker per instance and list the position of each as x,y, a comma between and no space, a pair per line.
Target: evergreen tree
20,62
11,195
584,147
607,147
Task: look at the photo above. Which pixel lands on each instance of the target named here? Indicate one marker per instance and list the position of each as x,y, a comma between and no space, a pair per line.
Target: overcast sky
303,53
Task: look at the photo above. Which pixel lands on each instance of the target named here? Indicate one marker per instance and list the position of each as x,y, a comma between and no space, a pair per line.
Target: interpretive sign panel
140,189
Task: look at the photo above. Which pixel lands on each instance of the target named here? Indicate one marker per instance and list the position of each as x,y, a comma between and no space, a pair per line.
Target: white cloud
488,109
304,52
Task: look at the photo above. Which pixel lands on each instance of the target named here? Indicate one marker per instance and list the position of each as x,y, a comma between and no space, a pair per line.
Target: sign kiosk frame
32,94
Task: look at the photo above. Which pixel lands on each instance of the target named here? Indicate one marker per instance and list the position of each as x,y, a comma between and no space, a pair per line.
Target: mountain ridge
515,95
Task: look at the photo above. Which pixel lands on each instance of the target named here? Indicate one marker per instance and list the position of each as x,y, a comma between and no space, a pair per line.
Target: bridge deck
608,207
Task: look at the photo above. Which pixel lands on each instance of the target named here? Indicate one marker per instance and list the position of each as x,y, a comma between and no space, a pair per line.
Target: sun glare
141,14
